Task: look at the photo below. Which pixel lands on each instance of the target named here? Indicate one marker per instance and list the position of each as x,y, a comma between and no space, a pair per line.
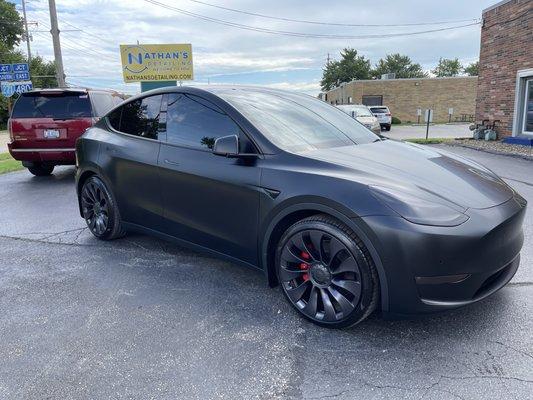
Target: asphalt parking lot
141,318
438,131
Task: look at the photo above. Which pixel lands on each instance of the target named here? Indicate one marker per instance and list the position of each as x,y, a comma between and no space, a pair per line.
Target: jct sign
15,78
156,62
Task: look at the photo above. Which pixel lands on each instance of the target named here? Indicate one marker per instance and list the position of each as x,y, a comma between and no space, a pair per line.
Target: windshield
62,105
362,112
297,122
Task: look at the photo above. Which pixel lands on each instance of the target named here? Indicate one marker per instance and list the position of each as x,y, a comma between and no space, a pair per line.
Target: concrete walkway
450,131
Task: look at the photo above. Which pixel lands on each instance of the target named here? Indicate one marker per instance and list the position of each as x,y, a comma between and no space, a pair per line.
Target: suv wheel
100,210
41,169
326,272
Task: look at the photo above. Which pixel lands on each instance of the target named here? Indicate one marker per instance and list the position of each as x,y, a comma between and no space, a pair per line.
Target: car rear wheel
41,169
387,127
100,210
326,272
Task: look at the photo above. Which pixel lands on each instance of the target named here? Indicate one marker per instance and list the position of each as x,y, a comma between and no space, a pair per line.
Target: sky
92,30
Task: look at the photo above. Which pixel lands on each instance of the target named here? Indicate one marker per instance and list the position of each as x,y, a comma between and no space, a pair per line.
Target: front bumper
479,257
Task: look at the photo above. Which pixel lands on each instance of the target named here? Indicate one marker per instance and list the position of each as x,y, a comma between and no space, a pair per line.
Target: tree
11,25
350,67
472,69
448,67
11,31
400,65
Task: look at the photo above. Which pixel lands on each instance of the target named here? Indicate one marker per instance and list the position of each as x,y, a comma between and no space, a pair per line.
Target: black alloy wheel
326,273
99,210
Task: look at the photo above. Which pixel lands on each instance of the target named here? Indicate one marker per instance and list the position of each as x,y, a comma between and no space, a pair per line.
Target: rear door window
66,105
141,117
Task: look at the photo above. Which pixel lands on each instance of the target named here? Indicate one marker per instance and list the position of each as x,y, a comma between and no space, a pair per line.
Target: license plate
51,133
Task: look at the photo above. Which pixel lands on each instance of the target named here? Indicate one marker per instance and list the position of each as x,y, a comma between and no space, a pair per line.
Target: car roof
69,89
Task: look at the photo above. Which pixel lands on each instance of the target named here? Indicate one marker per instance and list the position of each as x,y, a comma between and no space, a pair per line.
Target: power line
301,21
300,34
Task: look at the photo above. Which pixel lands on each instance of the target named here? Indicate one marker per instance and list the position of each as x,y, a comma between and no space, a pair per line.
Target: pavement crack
44,241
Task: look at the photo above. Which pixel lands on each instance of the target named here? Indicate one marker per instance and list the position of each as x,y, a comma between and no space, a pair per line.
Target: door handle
171,162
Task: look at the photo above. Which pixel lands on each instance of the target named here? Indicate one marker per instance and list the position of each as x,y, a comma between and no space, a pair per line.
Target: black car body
219,169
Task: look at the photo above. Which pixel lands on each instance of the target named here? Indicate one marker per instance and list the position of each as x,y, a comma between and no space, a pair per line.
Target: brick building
505,84
408,97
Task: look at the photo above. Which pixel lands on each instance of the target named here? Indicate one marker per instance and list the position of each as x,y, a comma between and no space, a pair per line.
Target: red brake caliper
305,266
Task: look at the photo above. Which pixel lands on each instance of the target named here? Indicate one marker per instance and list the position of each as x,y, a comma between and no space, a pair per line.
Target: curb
499,153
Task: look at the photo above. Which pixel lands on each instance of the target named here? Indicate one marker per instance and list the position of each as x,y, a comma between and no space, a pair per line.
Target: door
129,158
527,126
208,200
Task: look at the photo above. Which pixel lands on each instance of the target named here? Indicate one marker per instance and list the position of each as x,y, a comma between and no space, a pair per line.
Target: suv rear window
53,105
379,110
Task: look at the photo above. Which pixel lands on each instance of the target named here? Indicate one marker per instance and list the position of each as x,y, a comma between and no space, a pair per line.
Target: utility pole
26,28
57,45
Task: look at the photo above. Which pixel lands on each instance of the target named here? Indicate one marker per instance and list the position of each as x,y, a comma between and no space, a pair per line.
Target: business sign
156,62
10,88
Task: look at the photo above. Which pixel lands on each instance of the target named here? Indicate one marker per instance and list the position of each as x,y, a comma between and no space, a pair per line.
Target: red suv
45,124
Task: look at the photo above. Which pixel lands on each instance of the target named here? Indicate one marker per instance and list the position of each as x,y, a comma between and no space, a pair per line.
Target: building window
349,100
523,107
528,109
372,100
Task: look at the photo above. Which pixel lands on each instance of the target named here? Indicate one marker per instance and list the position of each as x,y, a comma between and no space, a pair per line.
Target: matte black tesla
344,221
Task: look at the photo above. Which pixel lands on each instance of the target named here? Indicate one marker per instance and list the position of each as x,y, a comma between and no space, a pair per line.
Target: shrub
396,121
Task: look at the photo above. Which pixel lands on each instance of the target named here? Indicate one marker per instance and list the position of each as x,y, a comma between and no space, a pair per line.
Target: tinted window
102,102
377,110
141,117
114,119
193,121
63,105
297,122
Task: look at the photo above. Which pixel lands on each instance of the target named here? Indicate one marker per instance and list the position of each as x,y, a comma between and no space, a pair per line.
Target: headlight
417,210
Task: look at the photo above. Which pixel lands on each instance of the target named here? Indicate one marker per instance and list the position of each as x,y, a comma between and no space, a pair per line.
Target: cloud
233,55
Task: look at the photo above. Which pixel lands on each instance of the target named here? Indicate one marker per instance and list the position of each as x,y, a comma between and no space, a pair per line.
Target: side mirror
227,146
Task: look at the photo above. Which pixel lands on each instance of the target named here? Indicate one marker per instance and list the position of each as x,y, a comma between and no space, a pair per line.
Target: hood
415,168
366,120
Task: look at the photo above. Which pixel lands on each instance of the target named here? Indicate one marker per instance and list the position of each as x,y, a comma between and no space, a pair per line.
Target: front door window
528,108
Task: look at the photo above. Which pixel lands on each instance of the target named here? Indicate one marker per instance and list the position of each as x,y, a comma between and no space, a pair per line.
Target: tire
341,281
100,210
387,128
41,169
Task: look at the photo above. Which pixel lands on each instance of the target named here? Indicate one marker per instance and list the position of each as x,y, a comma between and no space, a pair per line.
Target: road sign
156,62
21,67
21,76
6,76
5,68
10,88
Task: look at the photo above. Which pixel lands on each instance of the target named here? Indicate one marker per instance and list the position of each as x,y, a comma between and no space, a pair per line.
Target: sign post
156,65
429,118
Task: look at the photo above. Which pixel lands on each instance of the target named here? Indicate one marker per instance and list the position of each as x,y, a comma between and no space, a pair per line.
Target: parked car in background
362,114
45,124
382,113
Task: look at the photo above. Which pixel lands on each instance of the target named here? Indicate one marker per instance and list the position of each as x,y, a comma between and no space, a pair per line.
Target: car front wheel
326,272
100,210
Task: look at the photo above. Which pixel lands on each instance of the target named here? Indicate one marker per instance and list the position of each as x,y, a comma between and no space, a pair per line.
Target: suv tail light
10,129
388,114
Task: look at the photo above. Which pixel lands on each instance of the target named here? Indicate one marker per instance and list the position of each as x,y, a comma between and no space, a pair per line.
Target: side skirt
185,243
